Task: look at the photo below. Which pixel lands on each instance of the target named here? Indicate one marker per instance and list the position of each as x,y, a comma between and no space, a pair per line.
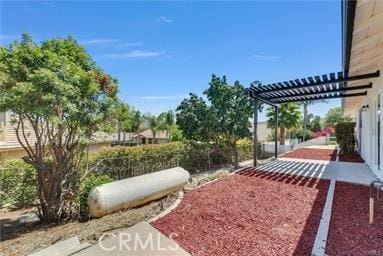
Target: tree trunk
236,156
49,191
282,135
305,112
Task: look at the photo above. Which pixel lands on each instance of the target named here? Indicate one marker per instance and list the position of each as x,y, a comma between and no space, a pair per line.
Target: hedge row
18,180
122,162
345,136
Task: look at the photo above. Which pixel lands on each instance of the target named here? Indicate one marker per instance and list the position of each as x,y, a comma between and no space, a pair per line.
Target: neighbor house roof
160,134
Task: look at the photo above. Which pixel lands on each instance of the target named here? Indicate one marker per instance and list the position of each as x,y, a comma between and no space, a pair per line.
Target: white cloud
133,54
159,20
128,44
165,19
264,57
99,41
164,97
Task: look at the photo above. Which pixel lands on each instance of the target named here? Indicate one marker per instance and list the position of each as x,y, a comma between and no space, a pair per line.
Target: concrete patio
358,173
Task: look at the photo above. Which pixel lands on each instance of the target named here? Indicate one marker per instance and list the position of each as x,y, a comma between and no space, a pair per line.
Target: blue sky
161,51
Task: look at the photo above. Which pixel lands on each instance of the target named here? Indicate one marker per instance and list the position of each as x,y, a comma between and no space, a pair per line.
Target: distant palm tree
154,124
289,116
168,122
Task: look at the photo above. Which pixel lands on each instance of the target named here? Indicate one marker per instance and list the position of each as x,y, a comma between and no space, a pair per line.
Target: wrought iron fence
135,165
18,185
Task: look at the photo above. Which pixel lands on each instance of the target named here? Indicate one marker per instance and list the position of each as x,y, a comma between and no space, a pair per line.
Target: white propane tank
135,191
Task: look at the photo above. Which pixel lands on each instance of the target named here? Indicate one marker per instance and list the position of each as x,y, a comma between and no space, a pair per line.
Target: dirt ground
17,239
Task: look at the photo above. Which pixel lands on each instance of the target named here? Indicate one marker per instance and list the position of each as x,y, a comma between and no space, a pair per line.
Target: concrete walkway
313,142
139,240
357,173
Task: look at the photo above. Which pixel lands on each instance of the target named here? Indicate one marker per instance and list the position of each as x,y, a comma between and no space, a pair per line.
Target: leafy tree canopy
233,109
314,123
289,116
335,115
224,121
196,120
55,89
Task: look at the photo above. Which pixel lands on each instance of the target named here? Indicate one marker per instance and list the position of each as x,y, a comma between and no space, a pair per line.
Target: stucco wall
17,153
368,135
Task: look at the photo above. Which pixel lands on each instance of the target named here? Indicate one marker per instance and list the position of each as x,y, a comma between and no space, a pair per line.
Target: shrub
85,187
299,134
345,136
123,162
245,149
18,184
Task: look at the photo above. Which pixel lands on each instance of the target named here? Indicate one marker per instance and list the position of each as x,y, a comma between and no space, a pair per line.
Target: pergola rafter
327,86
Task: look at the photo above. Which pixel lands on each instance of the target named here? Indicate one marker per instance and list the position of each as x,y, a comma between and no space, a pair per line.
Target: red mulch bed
250,213
354,158
350,233
312,153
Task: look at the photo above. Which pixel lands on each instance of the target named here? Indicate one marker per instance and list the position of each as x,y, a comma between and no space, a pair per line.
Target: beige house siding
367,57
11,149
262,131
18,152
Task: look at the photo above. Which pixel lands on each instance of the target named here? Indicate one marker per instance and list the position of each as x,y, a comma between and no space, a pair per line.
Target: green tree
225,121
196,120
154,123
289,117
335,115
59,98
168,122
176,134
314,123
306,120
233,109
123,118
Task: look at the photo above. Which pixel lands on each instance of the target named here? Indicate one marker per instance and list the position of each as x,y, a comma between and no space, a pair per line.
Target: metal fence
194,161
18,185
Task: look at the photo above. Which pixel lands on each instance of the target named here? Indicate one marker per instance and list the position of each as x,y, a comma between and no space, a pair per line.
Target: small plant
345,136
86,186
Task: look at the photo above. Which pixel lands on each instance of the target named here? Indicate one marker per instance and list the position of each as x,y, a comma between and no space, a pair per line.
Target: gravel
249,213
311,153
350,233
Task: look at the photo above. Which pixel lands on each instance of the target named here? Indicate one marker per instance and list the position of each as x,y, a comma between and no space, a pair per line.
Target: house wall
17,153
262,131
368,133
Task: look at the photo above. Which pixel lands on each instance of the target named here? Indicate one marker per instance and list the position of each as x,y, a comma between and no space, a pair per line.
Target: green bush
18,183
85,187
245,149
299,134
345,136
123,162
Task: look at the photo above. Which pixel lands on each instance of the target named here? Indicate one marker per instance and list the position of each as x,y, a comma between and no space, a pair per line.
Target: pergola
327,86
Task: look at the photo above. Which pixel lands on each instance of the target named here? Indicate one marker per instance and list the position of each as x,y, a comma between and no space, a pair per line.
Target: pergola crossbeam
359,87
303,83
333,85
320,97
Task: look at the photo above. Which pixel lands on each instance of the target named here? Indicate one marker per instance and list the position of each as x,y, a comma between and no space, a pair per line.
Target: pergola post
276,132
255,135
